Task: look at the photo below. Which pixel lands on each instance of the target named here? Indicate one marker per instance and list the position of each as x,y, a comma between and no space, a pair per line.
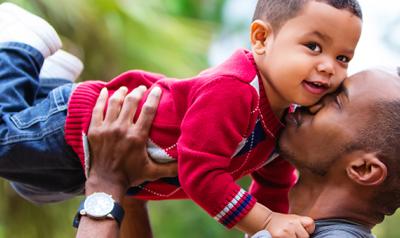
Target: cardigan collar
241,65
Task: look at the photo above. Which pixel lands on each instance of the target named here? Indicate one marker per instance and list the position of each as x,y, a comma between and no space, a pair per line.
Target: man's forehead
373,84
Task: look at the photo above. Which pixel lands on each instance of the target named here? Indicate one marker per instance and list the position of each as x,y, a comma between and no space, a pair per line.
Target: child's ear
367,170
259,34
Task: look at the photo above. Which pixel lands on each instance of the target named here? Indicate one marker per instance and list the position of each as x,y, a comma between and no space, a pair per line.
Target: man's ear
259,34
366,169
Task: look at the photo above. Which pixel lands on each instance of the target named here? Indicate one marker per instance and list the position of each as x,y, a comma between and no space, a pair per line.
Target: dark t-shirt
331,228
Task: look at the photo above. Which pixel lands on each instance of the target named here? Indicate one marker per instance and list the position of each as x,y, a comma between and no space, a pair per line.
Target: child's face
308,56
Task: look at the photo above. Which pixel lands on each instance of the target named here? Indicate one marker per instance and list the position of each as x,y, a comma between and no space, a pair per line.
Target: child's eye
314,47
343,59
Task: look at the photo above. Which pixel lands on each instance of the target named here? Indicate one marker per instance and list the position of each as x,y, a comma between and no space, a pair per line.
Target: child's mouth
317,88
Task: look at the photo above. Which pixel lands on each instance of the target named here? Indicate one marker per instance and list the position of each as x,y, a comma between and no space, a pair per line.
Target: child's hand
289,226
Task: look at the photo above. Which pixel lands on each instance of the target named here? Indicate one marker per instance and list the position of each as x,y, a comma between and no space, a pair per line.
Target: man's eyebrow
344,90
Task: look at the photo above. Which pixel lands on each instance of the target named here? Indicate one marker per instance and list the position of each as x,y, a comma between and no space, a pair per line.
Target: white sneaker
62,65
19,25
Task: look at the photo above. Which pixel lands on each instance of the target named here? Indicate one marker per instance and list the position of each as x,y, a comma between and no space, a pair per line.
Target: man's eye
314,47
343,59
337,101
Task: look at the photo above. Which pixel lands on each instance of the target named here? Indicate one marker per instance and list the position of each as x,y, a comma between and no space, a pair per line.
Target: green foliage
172,219
115,36
21,219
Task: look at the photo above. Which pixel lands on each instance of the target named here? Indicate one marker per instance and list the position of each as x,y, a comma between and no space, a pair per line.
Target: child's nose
327,67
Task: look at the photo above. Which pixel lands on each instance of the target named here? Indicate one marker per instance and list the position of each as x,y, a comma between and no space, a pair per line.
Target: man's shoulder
340,228
342,233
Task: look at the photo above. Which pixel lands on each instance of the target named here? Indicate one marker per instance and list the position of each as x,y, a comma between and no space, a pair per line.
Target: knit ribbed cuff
236,209
79,115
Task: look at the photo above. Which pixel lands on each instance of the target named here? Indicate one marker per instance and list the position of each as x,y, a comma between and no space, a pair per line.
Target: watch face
98,205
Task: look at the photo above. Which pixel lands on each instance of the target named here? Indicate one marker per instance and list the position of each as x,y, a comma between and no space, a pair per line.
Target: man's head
352,135
302,47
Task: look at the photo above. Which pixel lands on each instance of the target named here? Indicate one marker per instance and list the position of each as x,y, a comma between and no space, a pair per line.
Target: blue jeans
33,153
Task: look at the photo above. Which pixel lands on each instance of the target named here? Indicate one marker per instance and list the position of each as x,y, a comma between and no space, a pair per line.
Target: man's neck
324,198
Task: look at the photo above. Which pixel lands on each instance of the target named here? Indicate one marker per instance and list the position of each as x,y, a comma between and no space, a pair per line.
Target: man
348,175
346,149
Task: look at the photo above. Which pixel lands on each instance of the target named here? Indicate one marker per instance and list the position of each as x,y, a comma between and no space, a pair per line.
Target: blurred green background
172,37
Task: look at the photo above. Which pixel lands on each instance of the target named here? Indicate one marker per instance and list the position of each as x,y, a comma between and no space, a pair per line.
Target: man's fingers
308,224
114,104
148,112
130,104
98,110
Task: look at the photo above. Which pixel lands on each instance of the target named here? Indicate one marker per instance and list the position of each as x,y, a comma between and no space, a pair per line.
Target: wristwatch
99,206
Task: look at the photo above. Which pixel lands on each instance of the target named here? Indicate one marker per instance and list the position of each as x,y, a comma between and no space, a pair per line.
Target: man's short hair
381,135
277,12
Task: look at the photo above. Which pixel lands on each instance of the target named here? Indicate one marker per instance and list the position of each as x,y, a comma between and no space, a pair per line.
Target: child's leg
19,76
25,40
34,154
39,195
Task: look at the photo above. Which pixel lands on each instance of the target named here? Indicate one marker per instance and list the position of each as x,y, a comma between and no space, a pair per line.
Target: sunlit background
379,45
178,38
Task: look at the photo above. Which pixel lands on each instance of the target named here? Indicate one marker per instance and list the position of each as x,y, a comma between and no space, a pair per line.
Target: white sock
19,25
61,65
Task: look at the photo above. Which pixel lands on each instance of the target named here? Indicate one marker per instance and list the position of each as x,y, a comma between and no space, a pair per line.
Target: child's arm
271,184
213,126
278,224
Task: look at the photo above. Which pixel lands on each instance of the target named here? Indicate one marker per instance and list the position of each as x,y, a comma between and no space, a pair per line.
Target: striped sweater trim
236,209
80,109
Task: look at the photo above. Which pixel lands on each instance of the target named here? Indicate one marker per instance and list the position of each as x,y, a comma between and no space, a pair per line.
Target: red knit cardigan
218,125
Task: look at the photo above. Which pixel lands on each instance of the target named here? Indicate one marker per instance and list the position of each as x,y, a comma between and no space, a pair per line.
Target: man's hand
118,146
118,153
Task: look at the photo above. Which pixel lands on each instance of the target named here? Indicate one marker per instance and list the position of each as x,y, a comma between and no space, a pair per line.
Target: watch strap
117,213
77,217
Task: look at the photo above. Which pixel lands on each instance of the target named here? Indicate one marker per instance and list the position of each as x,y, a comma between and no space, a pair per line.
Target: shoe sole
50,38
68,61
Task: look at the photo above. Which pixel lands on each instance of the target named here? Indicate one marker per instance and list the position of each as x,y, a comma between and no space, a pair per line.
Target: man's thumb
308,224
163,170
